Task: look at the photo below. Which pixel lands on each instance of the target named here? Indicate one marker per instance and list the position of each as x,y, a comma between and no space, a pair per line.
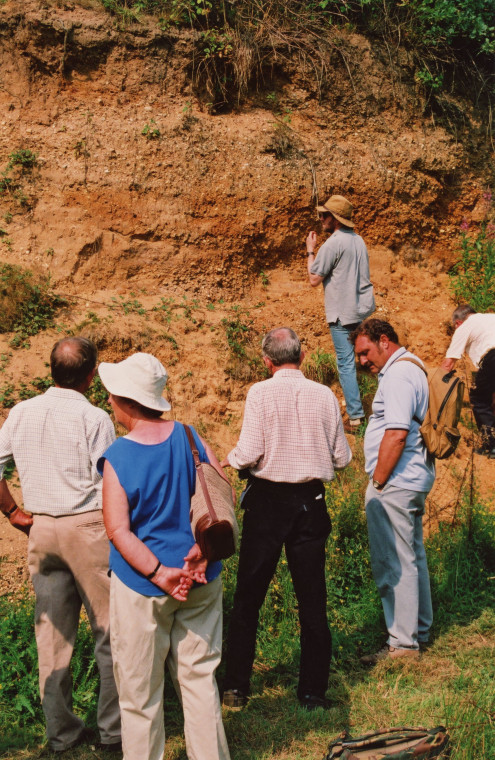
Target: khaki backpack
439,428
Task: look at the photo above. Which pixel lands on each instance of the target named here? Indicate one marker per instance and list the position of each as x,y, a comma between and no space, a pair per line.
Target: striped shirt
56,440
292,431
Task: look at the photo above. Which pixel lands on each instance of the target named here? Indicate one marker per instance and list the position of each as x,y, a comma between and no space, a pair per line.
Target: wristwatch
310,253
377,485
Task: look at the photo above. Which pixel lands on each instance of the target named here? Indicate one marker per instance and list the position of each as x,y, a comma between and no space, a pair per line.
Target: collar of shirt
280,373
396,355
66,393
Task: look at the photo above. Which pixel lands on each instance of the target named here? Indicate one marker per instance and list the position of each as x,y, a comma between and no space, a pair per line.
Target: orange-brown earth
213,212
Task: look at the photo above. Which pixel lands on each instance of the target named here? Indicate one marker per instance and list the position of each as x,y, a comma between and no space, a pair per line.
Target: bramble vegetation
472,278
238,42
245,362
27,302
24,160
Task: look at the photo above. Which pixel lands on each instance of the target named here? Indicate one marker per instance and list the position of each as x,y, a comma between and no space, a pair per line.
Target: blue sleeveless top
159,480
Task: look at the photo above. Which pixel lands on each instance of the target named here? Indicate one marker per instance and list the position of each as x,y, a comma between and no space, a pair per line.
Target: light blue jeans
398,562
346,364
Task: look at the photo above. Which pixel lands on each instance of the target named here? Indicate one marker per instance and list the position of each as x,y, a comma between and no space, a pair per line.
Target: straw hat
140,377
340,208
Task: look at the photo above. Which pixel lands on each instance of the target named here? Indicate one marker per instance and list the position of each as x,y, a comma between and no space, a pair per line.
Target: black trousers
294,515
481,397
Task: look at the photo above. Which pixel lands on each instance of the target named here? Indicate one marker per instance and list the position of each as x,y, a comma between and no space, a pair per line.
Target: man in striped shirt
56,440
292,439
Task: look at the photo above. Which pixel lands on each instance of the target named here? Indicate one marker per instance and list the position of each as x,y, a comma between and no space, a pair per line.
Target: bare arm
314,279
448,364
390,452
16,517
174,580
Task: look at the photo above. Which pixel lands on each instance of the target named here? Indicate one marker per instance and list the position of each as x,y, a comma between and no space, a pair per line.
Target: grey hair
282,346
462,312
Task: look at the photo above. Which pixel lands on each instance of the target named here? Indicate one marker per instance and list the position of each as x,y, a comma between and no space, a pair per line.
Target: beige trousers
148,631
68,563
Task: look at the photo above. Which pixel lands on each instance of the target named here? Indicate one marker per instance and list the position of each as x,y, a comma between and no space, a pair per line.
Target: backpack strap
418,364
413,361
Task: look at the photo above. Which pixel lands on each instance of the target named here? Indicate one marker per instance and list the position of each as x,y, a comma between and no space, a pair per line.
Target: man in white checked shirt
56,440
292,439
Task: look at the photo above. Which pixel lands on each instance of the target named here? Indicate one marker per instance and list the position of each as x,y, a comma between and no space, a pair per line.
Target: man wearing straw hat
342,266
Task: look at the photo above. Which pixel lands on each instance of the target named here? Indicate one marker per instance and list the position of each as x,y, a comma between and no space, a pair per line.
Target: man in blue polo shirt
401,475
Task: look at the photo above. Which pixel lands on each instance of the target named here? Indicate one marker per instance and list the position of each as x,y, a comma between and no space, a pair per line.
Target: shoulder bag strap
200,473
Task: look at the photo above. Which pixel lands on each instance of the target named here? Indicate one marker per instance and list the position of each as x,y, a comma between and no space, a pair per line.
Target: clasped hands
178,581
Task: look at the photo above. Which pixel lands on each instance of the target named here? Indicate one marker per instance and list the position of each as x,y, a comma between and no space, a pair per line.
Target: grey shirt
343,263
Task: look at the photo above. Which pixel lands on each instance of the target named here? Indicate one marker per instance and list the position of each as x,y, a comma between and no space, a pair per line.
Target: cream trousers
68,563
146,632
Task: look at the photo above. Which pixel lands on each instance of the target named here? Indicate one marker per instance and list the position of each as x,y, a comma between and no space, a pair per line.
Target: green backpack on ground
401,743
439,428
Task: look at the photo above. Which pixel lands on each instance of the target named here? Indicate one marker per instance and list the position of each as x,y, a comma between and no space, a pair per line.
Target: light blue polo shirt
402,394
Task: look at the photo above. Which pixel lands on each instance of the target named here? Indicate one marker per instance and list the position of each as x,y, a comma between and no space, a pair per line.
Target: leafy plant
129,307
245,361
7,397
24,158
98,395
150,130
264,279
20,706
27,302
432,82
472,278
216,43
164,309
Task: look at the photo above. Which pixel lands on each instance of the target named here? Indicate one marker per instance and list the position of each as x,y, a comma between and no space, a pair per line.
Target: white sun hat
140,377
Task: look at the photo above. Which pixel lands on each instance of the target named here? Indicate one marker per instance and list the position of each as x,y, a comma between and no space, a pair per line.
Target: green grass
452,684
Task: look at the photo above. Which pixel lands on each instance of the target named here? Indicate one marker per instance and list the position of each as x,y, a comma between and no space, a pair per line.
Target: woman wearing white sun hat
165,603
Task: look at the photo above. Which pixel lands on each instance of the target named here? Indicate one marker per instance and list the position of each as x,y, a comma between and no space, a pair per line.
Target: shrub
24,158
27,302
245,361
238,42
472,278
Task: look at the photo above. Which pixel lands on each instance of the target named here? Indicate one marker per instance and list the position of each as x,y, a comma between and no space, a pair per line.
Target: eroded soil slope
201,200
162,240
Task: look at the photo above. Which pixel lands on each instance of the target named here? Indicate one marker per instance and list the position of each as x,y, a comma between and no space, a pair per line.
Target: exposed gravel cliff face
212,198
162,236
